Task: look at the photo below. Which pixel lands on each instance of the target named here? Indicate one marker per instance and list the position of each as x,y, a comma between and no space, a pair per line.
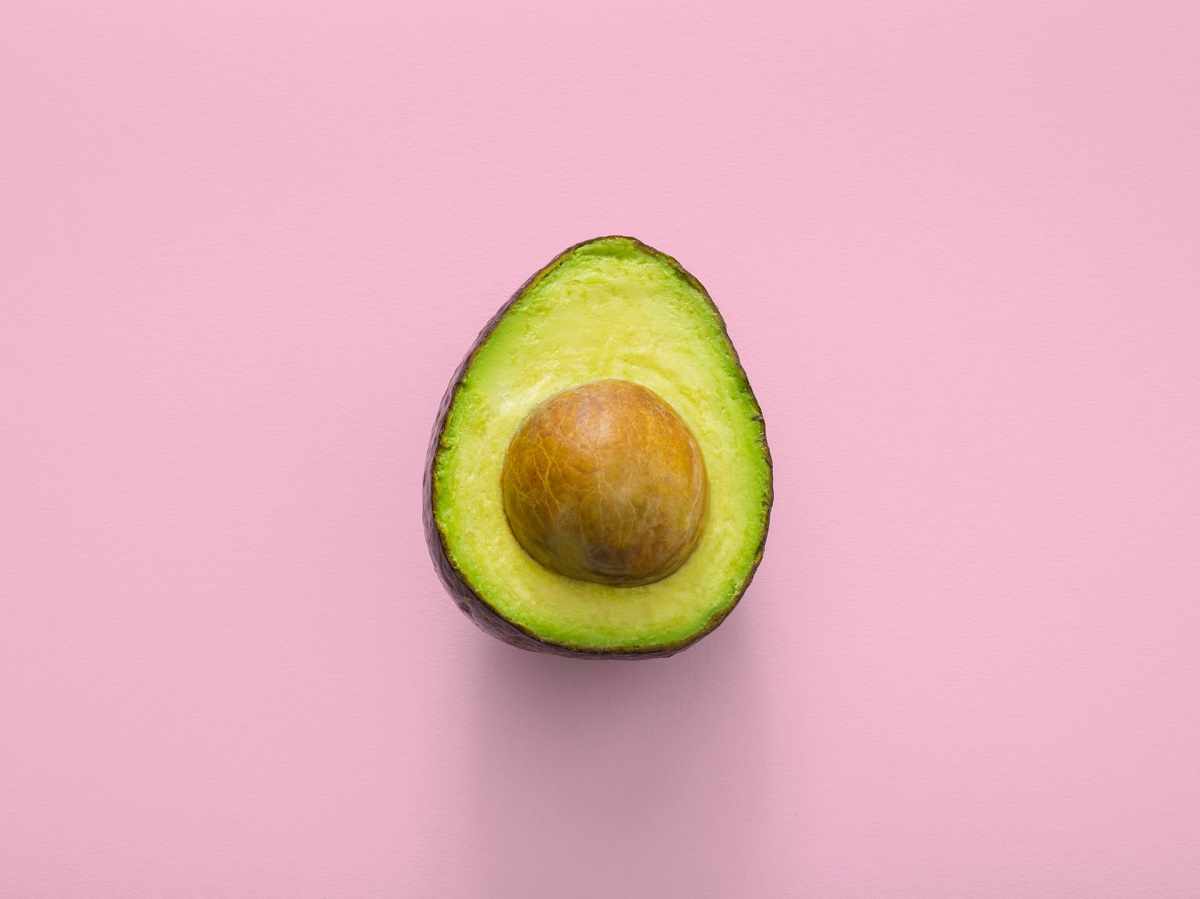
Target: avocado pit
604,482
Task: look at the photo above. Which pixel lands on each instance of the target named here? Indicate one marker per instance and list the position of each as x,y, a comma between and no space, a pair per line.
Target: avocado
598,482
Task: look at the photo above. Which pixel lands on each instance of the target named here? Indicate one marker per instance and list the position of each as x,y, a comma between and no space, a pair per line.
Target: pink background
242,247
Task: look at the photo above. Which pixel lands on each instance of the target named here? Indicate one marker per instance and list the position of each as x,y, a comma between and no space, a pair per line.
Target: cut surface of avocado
611,309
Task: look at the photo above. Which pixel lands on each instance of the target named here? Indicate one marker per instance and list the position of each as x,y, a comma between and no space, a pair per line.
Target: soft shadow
602,778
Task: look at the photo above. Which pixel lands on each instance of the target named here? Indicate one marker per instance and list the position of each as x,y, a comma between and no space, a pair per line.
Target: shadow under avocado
614,777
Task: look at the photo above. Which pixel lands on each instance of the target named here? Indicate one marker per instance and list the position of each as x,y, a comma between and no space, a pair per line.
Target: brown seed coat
605,483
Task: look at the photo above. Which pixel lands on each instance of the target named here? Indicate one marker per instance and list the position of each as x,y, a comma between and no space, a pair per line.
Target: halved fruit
599,482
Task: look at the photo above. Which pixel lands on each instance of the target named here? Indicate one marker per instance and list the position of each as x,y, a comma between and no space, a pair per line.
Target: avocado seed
605,483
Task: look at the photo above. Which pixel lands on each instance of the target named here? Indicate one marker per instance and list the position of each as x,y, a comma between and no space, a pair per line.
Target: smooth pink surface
242,247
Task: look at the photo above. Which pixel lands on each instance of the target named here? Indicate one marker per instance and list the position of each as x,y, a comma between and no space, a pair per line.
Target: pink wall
242,246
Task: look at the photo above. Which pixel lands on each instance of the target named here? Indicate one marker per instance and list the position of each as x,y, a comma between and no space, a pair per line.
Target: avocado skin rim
456,583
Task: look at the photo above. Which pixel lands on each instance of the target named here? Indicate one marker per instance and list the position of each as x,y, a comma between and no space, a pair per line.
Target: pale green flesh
608,309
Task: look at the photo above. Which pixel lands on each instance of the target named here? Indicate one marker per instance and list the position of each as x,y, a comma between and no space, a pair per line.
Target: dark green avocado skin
457,584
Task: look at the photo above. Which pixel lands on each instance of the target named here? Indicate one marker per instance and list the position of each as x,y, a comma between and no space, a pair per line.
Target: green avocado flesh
611,308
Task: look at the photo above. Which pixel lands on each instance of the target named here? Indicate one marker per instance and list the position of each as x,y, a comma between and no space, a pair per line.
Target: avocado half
609,308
